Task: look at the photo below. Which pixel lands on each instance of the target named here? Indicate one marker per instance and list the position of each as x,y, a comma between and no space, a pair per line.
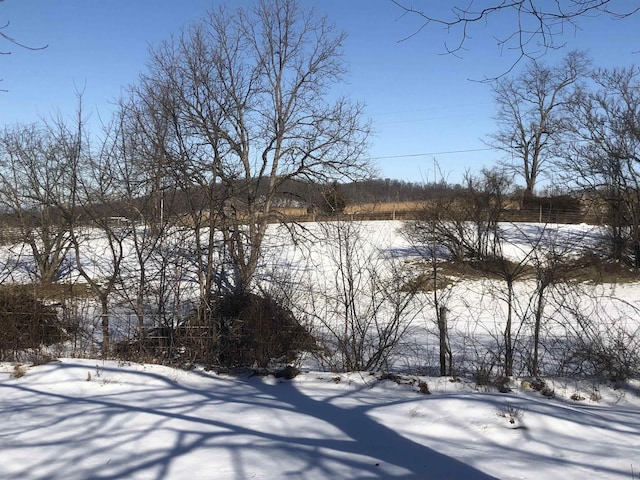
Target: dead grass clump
591,267
511,414
423,387
19,371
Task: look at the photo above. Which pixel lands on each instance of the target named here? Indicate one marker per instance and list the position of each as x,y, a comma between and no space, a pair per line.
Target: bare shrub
603,337
424,387
612,354
548,392
26,323
245,330
511,413
482,377
288,373
258,330
365,308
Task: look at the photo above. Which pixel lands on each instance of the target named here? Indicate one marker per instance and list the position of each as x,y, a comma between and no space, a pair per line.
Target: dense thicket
234,127
26,323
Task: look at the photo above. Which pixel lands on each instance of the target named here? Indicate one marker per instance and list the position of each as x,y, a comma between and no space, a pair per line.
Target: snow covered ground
87,419
79,419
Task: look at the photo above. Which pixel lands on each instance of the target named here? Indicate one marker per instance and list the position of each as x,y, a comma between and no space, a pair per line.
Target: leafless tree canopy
602,155
248,96
532,114
532,27
34,167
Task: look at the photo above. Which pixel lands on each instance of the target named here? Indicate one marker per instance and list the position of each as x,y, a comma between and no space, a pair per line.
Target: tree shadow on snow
224,428
139,424
386,454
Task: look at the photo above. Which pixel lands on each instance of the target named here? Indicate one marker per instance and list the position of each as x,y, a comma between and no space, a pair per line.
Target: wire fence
610,349
508,215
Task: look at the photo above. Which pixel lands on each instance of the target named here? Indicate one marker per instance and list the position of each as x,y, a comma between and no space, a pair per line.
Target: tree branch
535,27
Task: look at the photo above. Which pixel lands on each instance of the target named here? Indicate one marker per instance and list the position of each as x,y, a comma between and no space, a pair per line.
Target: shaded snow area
78,419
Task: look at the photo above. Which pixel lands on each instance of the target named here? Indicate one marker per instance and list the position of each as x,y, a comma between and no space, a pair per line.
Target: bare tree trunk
104,323
508,332
540,301
445,352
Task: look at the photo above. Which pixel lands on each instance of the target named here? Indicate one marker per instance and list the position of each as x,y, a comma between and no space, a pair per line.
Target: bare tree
464,222
531,114
366,308
99,242
182,200
552,265
137,202
468,228
52,189
603,157
531,28
82,192
32,160
251,96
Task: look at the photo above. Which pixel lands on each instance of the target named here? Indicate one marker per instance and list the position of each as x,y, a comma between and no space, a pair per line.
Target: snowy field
81,419
93,419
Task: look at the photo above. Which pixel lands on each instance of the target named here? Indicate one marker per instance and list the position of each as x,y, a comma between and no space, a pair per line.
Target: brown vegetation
26,323
542,210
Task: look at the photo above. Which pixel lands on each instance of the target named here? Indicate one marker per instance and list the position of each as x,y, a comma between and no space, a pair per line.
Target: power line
409,155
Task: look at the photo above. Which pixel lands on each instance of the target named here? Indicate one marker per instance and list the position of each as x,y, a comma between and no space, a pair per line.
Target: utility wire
409,155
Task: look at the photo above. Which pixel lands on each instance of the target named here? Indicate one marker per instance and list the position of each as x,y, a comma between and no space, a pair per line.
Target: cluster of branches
167,213
187,173
6,38
537,313
527,28
577,126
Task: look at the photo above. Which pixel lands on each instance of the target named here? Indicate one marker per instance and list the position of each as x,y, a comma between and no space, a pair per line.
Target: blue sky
423,104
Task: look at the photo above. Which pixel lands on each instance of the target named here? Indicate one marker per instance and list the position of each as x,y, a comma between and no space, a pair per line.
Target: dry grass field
413,210
362,211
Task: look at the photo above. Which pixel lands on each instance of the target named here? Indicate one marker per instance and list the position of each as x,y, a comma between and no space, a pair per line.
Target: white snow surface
91,419
87,419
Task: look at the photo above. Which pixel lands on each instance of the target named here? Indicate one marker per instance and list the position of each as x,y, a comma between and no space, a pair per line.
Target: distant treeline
375,190
310,195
